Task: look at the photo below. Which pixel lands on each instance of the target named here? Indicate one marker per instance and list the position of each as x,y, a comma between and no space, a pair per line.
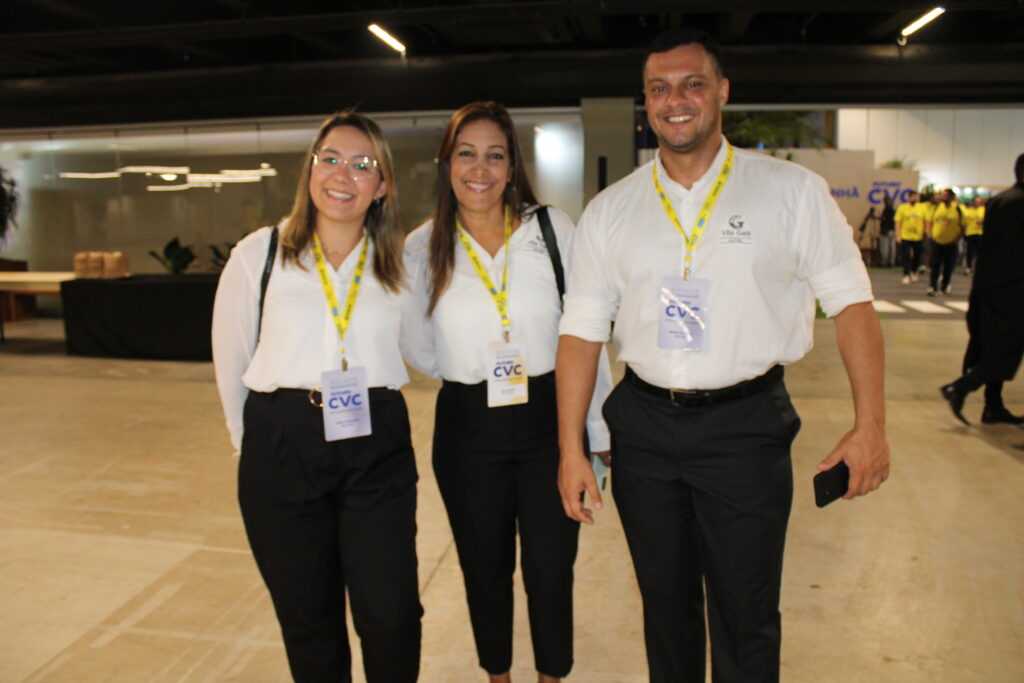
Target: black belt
313,396
695,398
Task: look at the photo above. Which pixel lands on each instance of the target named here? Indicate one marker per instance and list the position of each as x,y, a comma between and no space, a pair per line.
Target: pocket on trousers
790,420
608,408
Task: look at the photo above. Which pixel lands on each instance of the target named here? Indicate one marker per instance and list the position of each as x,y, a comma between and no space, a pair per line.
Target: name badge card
346,401
683,313
507,381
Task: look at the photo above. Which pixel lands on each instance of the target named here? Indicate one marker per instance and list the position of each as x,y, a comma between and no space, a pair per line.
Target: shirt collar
703,182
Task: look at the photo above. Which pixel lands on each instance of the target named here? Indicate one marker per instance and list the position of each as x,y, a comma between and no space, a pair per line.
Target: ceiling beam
830,75
243,7
736,25
263,26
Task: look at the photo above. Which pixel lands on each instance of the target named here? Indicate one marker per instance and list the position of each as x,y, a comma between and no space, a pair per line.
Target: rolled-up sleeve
830,261
590,301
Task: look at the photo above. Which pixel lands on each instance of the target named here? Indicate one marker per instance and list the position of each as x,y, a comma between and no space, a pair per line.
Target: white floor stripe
958,305
883,306
925,306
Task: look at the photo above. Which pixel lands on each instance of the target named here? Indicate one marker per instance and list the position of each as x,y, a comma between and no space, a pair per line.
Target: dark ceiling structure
64,62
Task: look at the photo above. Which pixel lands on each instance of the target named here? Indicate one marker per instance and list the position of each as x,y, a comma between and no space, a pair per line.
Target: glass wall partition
134,188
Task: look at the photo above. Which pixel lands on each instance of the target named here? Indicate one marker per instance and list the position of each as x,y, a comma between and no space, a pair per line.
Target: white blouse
298,340
453,343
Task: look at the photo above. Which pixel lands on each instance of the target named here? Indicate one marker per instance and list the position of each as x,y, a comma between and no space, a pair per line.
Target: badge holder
507,380
683,314
345,403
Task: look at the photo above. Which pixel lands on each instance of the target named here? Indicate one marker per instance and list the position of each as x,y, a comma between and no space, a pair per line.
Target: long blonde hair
382,225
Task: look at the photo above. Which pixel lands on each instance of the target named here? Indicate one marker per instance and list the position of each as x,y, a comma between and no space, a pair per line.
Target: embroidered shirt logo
535,245
738,231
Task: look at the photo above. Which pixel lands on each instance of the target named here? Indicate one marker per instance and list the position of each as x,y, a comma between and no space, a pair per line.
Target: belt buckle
673,394
312,399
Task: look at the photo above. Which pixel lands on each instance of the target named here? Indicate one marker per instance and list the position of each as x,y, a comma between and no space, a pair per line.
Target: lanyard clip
505,335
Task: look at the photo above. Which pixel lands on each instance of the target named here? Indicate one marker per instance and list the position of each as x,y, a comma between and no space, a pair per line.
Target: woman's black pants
323,517
497,469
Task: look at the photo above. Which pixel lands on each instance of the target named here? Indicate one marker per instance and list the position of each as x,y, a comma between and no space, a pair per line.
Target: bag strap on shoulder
265,280
547,231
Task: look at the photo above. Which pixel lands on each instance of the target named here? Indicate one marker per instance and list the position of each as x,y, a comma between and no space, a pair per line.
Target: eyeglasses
360,167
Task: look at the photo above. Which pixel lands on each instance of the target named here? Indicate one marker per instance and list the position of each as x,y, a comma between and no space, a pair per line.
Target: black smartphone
831,484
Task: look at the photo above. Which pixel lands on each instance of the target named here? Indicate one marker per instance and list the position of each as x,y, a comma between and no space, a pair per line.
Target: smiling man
708,260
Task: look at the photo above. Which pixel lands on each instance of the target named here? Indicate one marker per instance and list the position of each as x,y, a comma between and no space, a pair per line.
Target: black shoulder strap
267,267
548,233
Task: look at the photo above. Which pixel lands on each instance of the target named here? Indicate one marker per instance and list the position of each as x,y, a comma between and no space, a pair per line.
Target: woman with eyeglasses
306,329
485,281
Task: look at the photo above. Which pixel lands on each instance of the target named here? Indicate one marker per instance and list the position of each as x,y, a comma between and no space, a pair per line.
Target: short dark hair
1018,169
950,191
673,38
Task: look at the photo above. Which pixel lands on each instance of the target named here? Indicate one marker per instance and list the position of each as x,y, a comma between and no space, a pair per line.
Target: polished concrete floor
122,555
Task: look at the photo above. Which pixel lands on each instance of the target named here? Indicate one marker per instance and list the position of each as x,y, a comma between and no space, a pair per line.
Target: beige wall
608,125
961,147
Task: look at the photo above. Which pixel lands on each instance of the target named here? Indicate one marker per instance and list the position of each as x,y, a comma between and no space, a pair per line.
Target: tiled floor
122,555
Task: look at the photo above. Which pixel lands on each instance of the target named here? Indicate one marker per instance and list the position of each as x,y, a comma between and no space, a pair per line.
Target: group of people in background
707,260
934,236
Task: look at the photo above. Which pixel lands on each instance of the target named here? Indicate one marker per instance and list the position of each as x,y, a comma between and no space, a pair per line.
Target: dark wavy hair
382,224
518,195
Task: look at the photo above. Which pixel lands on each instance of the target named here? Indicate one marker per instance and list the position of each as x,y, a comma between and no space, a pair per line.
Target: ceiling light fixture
262,171
222,178
914,26
90,176
176,188
391,41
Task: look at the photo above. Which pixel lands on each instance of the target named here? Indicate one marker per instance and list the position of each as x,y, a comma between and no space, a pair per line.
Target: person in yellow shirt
945,228
974,220
910,220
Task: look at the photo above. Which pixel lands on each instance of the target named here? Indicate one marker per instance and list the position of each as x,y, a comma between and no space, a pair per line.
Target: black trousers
497,469
910,252
972,244
704,495
325,516
943,261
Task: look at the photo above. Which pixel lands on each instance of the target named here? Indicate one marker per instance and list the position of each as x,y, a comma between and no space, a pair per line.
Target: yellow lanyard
705,211
500,296
341,318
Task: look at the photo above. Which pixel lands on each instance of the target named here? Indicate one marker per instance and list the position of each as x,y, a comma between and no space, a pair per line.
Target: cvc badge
507,381
346,404
683,313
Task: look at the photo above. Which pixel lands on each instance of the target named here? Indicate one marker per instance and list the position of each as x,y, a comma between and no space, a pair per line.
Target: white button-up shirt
298,340
453,343
775,241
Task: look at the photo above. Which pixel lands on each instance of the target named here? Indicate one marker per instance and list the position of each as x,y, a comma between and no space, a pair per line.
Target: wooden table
31,282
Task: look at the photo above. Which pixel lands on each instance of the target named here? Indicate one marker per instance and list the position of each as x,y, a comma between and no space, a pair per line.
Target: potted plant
8,205
176,258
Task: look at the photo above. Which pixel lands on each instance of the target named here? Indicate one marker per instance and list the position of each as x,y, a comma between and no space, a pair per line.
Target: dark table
142,316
